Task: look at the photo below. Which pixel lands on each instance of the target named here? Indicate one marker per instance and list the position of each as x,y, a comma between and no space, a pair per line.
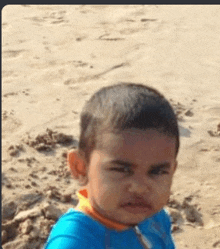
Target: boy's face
130,176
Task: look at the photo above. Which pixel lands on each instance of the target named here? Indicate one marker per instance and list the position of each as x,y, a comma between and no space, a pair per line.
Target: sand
55,56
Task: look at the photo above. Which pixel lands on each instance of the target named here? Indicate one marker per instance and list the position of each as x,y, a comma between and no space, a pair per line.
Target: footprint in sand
14,150
55,17
5,181
10,94
102,37
47,141
216,133
8,73
148,20
12,53
94,76
79,63
5,26
23,92
212,111
36,20
184,212
10,123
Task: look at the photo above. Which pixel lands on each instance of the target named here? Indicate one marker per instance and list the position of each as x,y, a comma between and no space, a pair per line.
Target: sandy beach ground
55,56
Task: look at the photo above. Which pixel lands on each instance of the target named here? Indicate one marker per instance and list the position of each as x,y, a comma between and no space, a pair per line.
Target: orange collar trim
86,207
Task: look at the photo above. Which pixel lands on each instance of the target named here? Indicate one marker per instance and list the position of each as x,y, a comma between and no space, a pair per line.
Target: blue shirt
76,230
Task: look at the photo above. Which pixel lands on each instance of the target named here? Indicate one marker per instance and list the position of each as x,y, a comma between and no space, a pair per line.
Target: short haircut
121,107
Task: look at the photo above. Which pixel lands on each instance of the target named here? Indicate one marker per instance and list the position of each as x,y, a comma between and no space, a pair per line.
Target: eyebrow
122,163
164,165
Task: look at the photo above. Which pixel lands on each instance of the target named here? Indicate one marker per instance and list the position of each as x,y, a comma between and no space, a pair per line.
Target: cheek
163,188
107,198
111,193
103,188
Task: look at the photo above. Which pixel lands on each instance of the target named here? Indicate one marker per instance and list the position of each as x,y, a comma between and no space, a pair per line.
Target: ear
77,166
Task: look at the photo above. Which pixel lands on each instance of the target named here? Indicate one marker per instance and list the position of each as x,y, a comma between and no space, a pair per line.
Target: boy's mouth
137,207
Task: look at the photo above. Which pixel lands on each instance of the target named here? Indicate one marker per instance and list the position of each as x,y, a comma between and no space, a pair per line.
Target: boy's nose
140,185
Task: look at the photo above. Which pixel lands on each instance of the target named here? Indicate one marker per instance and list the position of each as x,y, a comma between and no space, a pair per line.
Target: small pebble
217,243
34,184
4,236
189,113
27,186
26,226
50,211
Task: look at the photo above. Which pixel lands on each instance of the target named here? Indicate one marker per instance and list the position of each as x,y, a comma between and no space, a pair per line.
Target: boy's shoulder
159,224
73,226
77,221
75,216
162,217
75,229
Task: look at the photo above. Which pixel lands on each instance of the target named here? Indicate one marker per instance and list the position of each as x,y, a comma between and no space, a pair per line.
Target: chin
134,221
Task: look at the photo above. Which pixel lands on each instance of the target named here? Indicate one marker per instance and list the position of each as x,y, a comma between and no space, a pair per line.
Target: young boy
126,160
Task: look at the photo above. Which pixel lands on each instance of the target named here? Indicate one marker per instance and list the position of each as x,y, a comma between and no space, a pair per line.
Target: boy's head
127,151
122,107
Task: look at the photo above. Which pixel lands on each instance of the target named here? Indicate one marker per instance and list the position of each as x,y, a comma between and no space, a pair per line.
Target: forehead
146,143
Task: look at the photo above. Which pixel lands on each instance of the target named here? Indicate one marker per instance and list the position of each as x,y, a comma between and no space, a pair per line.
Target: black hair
125,106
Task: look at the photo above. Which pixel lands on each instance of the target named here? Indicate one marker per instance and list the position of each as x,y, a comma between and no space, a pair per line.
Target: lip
137,208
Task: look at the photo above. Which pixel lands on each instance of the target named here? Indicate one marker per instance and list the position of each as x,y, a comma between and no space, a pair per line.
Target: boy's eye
121,169
158,171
